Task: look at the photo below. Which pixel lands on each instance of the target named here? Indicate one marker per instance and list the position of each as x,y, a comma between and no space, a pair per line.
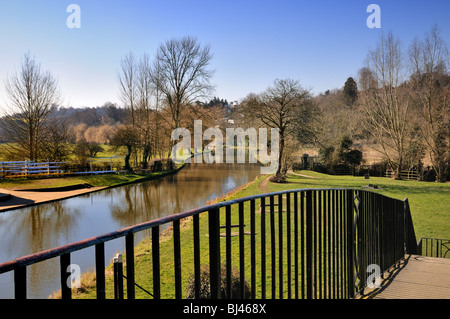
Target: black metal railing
307,243
434,247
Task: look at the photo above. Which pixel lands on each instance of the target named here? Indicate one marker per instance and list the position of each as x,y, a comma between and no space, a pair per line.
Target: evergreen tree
350,91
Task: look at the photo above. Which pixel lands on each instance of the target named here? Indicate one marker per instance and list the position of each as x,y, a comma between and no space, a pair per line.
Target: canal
33,229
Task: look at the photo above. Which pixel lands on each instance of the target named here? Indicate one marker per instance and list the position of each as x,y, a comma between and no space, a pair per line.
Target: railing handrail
432,238
92,241
435,251
391,236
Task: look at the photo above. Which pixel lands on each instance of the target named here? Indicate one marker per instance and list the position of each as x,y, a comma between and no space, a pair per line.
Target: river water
33,229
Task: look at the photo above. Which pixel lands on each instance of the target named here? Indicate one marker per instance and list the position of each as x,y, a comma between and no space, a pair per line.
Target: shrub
205,292
297,166
320,168
278,178
155,165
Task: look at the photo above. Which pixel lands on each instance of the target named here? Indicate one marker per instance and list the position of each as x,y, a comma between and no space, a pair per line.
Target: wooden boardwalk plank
418,278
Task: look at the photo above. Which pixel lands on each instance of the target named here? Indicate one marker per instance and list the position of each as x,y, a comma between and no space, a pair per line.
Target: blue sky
320,43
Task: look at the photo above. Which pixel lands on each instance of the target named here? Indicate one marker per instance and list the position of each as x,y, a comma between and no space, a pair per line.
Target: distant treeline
108,114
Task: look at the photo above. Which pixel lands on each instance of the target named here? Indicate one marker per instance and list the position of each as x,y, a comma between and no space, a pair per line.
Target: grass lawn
429,204
429,201
93,180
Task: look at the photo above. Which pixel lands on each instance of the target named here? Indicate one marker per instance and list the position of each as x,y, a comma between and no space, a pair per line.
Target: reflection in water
37,228
40,226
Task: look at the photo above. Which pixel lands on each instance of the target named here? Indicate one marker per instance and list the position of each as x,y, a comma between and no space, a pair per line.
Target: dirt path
303,175
20,199
263,184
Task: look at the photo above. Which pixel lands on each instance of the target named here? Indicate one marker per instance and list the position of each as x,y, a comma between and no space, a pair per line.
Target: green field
429,204
429,201
103,180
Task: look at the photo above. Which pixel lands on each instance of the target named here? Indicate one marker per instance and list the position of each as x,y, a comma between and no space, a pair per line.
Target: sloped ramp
419,277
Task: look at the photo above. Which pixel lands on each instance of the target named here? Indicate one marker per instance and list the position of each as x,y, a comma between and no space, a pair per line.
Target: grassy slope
429,204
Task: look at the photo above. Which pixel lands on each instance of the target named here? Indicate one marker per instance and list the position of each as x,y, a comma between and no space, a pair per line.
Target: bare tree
31,93
430,88
386,105
55,147
366,79
136,93
127,78
277,107
182,75
325,122
144,109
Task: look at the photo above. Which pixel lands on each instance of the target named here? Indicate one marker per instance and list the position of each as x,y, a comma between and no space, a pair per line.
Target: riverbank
28,192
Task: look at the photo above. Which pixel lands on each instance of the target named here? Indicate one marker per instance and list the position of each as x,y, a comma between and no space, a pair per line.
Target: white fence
25,168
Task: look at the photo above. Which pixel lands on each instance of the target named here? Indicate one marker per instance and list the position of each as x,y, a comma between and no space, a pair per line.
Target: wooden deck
418,277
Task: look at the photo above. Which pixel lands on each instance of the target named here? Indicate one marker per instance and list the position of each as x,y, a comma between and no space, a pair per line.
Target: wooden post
118,276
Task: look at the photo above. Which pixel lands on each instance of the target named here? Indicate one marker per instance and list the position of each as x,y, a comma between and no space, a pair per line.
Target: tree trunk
145,156
397,175
441,173
279,175
127,158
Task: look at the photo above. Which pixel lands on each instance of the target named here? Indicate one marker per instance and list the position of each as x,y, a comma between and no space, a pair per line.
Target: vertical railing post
241,252
66,290
263,248
329,225
309,245
100,270
228,263
214,252
272,245
177,258
129,246
288,242
20,282
318,227
253,248
296,247
381,208
155,262
419,247
350,244
280,245
302,243
314,245
196,220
